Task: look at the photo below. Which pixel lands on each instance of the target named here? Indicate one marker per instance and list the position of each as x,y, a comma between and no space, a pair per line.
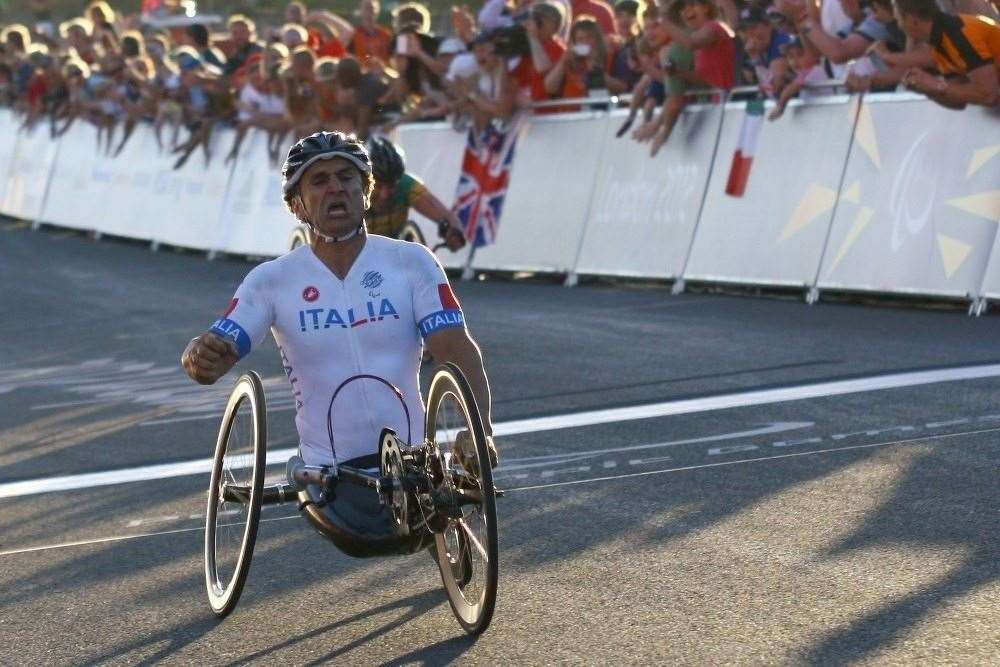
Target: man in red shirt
370,40
600,10
547,49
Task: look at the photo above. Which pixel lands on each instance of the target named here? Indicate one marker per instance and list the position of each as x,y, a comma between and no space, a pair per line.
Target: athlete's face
332,193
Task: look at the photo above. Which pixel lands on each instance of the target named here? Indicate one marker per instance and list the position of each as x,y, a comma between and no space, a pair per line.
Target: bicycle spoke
473,539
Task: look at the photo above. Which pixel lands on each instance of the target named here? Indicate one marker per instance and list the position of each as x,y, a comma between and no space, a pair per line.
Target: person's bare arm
340,28
456,345
981,87
919,55
208,357
787,93
555,76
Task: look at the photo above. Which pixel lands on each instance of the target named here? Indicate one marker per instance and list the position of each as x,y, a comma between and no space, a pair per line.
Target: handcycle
411,497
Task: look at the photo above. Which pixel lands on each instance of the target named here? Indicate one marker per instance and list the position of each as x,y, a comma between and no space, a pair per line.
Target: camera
511,41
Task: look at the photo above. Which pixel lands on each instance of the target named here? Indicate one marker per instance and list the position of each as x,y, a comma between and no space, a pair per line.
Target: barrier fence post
812,295
40,218
678,286
571,277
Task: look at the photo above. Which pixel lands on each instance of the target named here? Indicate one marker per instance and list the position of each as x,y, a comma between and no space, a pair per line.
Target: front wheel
467,548
234,496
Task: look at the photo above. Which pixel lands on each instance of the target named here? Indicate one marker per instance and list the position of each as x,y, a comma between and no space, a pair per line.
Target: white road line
119,538
535,487
755,460
536,424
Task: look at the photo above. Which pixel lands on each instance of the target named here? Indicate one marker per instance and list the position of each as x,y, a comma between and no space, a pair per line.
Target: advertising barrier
28,174
894,195
921,200
8,144
644,209
434,154
549,194
773,234
254,220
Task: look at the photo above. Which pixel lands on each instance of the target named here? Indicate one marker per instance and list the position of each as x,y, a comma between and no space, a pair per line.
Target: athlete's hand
208,357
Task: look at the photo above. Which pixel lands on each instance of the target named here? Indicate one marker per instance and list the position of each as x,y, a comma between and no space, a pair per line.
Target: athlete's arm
242,326
431,207
456,345
208,357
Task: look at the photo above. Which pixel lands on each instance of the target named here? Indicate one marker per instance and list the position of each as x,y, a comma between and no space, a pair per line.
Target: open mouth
336,209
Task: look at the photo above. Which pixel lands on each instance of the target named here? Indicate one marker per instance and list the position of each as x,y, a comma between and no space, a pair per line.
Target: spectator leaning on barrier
965,50
806,69
763,45
648,93
701,54
625,71
875,26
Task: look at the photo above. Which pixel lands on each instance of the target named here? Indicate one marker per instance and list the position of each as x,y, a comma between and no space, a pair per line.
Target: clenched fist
208,357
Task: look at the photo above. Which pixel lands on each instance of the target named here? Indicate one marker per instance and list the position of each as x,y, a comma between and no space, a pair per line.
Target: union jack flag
483,183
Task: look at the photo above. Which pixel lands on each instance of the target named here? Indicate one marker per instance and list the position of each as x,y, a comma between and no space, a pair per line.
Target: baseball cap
752,15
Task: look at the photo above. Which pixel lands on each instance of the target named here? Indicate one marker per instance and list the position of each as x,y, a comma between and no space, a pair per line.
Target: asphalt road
801,522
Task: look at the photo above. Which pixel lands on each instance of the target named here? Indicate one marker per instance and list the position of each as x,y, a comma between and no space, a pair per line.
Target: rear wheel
234,496
467,548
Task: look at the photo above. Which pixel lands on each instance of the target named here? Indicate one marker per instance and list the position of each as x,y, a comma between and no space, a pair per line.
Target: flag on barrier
482,185
739,169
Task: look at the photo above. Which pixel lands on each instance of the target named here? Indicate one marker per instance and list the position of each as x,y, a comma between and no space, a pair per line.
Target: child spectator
807,71
648,92
763,45
625,71
712,63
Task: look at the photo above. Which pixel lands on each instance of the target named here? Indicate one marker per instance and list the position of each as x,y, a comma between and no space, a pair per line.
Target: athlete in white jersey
351,312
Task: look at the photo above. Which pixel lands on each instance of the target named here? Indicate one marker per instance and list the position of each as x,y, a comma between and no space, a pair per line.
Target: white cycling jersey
329,330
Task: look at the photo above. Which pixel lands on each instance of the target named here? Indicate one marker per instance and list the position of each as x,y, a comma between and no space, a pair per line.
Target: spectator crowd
188,74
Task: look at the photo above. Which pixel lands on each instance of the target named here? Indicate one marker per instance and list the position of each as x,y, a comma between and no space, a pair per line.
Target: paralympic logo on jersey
323,318
371,281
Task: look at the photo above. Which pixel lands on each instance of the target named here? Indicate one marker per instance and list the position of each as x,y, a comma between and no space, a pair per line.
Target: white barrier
921,200
644,209
912,207
28,175
137,194
774,233
8,144
254,220
434,152
548,195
